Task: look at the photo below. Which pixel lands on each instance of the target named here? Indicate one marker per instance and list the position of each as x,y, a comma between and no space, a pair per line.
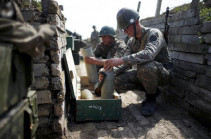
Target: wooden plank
71,72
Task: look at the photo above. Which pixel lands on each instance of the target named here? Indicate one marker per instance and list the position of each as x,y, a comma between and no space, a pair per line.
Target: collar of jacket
143,31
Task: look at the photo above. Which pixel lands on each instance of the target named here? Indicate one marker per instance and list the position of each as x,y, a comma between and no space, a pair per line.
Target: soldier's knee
118,80
149,67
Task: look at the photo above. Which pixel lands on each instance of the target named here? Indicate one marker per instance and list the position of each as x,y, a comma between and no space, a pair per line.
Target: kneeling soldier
148,50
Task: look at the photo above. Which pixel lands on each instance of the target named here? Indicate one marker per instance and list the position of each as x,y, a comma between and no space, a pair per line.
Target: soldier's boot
149,106
149,97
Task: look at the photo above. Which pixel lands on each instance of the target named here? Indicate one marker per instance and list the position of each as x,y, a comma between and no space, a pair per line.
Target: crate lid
70,73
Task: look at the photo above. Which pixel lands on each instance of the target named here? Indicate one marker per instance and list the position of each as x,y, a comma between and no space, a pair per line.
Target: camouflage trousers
147,76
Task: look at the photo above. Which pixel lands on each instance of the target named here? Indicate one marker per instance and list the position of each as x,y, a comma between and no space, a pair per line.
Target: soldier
94,38
108,45
148,50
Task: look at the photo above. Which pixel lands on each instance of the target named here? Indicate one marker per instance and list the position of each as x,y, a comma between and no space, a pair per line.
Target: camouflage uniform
152,59
95,39
117,50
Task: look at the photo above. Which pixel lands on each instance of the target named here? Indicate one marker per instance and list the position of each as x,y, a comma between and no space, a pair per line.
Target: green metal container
86,110
21,121
77,45
98,110
15,78
18,105
70,42
5,69
76,58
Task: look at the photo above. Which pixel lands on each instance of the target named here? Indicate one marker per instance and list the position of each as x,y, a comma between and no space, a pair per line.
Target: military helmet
106,30
125,17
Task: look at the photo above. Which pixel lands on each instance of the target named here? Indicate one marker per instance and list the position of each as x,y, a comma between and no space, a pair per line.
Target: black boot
149,106
148,96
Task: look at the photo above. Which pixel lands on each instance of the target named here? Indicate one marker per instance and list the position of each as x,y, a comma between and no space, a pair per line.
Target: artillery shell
86,94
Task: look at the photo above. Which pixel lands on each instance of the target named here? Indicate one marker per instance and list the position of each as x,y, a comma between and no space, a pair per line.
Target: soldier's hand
89,60
113,62
100,77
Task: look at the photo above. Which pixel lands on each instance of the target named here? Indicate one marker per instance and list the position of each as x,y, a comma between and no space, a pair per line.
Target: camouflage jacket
154,48
117,50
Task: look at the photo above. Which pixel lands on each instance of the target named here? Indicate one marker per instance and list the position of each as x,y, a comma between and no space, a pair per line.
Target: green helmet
106,30
125,17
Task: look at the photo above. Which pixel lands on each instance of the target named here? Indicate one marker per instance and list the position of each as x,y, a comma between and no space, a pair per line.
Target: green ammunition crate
33,110
77,45
70,42
15,78
76,58
21,121
86,110
5,69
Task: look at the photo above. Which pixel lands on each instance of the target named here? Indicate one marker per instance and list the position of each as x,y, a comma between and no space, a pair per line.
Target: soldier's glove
99,84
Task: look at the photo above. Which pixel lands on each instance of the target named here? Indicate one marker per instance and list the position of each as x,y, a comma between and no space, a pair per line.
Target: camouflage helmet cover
125,17
106,30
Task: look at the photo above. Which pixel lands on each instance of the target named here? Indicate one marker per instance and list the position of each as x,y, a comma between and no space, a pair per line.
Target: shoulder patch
153,38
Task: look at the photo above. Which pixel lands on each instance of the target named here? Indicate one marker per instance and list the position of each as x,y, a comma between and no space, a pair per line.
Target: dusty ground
169,122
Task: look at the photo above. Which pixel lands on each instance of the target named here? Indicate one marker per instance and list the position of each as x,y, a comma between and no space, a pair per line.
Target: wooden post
158,8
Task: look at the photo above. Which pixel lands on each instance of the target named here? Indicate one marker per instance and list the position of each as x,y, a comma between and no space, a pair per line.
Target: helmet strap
134,27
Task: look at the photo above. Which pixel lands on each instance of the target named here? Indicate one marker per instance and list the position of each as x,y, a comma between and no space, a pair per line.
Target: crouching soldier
148,50
108,48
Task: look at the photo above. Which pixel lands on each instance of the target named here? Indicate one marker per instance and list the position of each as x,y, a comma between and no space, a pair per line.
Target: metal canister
90,69
107,89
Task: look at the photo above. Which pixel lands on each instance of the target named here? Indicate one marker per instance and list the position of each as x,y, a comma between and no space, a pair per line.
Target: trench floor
168,122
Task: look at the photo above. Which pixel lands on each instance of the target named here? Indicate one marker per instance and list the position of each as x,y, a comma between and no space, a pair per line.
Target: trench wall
49,81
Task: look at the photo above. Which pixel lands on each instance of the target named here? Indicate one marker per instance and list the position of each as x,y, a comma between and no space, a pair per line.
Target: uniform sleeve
97,52
121,52
120,69
153,45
